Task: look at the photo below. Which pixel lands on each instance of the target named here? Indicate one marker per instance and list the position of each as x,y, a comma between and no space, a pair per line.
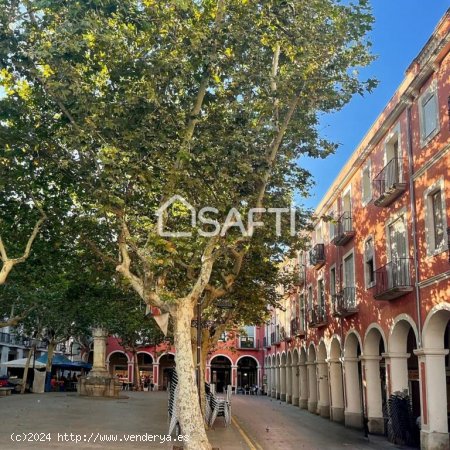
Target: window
320,293
436,220
429,115
349,299
319,234
247,339
332,225
366,184
310,297
302,312
333,281
347,202
369,263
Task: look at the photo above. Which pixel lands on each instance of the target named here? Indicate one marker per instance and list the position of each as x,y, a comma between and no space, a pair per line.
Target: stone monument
99,382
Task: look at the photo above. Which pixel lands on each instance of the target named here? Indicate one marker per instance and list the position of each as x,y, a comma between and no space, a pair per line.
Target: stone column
99,382
295,384
433,401
397,371
156,376
234,377
273,392
283,383
353,400
278,388
371,371
99,366
288,383
4,358
208,373
130,369
312,387
259,379
337,390
268,380
324,393
303,385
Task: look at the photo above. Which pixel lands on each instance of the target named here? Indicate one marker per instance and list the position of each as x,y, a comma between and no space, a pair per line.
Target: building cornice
424,65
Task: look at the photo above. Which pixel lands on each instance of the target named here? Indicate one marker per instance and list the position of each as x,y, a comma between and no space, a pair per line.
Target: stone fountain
99,382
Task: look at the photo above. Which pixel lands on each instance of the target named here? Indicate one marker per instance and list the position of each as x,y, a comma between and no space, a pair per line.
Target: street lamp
448,237
199,324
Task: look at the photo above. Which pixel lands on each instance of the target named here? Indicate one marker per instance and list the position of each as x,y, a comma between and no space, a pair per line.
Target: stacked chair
219,407
215,406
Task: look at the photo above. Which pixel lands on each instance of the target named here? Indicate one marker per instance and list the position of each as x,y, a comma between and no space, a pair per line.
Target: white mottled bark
189,413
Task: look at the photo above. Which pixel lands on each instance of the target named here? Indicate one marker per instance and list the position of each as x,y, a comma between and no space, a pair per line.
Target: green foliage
131,102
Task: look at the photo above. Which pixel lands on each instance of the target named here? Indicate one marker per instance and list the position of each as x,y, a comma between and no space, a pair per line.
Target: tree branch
14,321
8,263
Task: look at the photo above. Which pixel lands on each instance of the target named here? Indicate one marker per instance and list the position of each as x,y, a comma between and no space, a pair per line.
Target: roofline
416,74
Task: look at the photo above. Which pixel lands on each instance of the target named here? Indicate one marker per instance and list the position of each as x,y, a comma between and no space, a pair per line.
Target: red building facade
369,314
237,361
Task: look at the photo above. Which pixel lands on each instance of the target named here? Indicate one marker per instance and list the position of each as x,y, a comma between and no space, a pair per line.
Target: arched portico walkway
374,379
322,373
433,380
352,381
336,382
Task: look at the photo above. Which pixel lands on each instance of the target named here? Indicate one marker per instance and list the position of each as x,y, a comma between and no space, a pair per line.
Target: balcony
393,280
285,335
266,343
299,276
317,256
388,185
343,229
344,302
12,339
317,317
296,328
274,338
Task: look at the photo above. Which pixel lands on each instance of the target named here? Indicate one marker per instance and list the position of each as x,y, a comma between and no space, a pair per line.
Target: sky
401,29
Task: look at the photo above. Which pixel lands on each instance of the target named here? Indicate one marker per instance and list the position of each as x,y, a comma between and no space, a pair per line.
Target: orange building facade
369,314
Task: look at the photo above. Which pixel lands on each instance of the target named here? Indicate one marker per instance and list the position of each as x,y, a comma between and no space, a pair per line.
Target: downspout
412,197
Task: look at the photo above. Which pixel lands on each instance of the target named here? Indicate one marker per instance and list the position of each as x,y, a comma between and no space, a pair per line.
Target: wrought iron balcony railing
297,328
343,229
317,256
317,316
274,338
344,302
389,184
393,280
299,276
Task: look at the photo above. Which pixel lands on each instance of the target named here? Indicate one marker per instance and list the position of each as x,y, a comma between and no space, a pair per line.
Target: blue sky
401,29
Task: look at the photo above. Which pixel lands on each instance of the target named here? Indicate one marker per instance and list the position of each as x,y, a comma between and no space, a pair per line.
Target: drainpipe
412,197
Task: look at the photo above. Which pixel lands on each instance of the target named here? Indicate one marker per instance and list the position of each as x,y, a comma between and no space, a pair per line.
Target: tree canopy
135,101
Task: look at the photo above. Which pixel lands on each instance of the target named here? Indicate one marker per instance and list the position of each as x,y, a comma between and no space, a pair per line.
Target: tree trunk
25,372
48,367
137,378
189,413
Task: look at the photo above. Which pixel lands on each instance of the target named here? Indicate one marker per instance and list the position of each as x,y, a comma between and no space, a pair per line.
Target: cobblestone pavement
93,421
274,425
59,419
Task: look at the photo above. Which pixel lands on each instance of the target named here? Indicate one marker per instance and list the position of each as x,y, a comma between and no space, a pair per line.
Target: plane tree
214,101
